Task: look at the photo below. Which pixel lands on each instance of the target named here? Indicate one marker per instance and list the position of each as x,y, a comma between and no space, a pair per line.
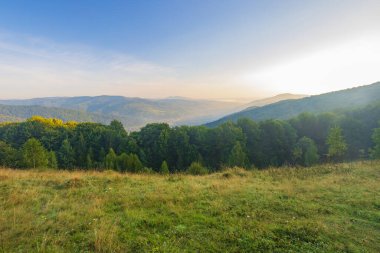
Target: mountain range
348,98
132,112
15,113
137,112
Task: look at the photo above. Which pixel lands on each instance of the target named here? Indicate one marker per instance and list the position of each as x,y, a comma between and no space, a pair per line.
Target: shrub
146,170
197,169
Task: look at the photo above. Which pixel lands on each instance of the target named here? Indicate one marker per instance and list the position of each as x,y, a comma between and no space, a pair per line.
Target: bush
197,169
146,170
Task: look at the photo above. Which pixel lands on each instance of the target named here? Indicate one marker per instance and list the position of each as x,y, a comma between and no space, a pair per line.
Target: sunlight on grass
327,208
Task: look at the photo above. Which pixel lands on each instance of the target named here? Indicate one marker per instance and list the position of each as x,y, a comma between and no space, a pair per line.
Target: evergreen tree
102,157
336,144
52,160
89,159
237,156
80,150
164,168
89,163
34,154
66,155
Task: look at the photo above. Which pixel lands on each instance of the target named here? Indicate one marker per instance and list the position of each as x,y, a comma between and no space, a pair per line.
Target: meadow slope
327,208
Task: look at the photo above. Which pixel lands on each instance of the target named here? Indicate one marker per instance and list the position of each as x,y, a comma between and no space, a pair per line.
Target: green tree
80,150
251,131
218,142
311,155
375,152
102,157
117,126
34,154
123,162
180,151
136,164
306,152
89,159
153,142
164,169
111,158
336,144
237,157
117,137
277,141
297,154
8,155
52,160
66,156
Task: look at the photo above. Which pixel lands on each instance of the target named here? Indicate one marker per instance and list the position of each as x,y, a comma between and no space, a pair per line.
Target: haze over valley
132,112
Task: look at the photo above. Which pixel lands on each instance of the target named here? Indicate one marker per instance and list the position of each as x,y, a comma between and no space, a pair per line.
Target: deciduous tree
336,144
34,154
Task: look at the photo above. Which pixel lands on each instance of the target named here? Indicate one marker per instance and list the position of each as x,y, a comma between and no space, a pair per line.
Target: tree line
304,140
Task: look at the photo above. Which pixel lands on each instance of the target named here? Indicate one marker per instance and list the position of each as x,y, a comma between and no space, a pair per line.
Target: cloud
32,67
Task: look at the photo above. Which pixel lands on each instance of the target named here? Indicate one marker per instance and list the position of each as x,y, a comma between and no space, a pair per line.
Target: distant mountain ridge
134,112
274,99
12,113
354,97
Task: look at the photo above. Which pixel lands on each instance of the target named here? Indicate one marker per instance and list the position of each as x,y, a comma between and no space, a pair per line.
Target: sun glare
349,63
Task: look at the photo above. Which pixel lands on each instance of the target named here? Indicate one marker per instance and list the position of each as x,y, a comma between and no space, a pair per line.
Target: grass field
329,208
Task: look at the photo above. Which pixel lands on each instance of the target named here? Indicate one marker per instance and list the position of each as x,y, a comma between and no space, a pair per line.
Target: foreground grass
319,209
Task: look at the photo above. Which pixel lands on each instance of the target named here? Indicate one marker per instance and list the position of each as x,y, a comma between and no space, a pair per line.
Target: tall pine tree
66,155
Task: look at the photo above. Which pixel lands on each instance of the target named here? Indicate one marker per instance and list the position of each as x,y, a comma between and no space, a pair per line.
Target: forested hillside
350,98
9,113
137,112
274,99
303,140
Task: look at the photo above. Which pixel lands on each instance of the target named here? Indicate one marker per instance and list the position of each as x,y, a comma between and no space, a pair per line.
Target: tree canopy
304,140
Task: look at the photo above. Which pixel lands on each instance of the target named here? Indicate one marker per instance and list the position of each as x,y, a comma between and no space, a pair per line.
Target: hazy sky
193,48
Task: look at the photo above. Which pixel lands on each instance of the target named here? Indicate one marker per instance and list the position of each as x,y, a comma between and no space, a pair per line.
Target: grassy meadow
327,208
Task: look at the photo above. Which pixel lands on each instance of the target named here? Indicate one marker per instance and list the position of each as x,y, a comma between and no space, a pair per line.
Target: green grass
329,208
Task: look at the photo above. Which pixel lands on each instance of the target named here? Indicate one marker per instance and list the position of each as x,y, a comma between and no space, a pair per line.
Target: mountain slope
137,112
275,99
354,97
20,112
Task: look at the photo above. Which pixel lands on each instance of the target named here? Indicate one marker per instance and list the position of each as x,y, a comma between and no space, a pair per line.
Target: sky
214,49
